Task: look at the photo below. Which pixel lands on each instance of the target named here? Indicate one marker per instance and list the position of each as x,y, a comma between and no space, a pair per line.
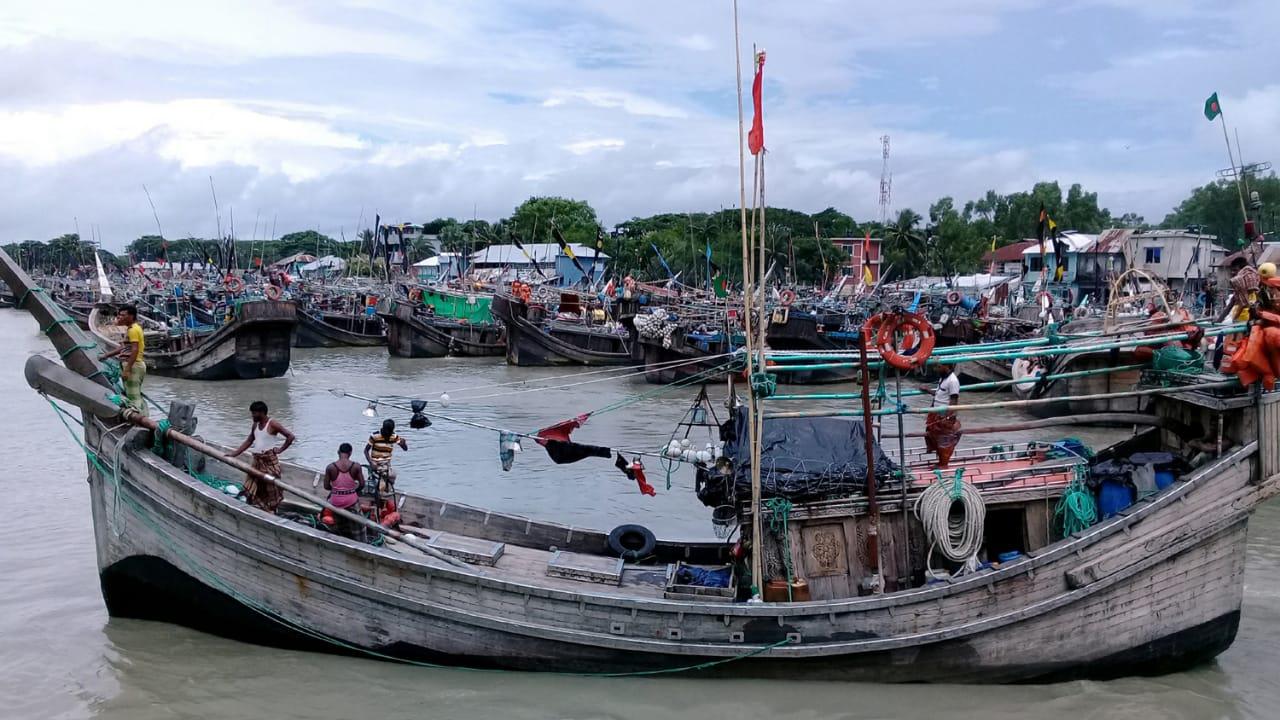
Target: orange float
914,329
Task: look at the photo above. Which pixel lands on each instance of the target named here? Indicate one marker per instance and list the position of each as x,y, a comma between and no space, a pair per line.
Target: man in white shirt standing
942,428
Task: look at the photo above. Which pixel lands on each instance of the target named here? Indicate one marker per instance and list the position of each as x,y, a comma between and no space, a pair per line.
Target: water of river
62,657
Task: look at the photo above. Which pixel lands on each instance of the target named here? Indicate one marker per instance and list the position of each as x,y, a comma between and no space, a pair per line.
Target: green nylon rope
691,380
60,321
78,346
779,519
219,584
764,384
160,442
1076,510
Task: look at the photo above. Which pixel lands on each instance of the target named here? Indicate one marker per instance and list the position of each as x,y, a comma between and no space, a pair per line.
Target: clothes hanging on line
563,453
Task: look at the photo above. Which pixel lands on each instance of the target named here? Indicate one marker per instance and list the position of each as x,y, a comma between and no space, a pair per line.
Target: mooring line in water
533,436
623,371
211,578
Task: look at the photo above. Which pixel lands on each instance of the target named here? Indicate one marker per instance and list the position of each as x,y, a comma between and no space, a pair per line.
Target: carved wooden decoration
824,551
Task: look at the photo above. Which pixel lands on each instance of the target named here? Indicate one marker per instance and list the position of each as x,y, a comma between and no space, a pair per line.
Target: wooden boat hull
255,344
799,331
1156,588
415,336
665,365
78,312
529,344
1089,385
322,330
985,370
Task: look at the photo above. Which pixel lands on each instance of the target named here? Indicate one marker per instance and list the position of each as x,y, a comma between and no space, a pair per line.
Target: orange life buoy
787,297
415,295
913,328
233,284
954,297
272,292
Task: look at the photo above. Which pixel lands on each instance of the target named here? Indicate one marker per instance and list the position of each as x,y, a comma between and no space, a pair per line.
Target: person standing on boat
378,452
942,428
133,369
261,443
343,478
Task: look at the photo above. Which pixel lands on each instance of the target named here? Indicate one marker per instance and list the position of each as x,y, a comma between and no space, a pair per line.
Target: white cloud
312,110
627,102
583,147
196,133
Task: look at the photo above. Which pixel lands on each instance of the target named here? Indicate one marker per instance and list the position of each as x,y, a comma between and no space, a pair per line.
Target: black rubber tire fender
632,542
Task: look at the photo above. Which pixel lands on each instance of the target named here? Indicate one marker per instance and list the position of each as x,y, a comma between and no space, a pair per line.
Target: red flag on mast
755,138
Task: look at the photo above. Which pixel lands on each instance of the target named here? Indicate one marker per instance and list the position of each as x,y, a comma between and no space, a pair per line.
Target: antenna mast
886,181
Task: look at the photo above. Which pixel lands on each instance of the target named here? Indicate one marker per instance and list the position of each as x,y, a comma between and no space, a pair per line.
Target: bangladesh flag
720,285
1211,107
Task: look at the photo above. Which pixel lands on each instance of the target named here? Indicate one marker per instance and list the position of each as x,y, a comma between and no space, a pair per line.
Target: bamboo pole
140,420
873,507
974,386
757,546
1086,419
1015,354
1013,403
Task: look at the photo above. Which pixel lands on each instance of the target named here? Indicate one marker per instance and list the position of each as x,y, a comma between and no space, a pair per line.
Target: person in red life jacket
343,478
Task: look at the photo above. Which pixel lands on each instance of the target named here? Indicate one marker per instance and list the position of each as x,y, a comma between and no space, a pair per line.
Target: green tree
531,220
1216,209
905,247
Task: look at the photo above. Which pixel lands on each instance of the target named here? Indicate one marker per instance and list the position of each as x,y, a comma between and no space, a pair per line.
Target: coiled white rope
957,537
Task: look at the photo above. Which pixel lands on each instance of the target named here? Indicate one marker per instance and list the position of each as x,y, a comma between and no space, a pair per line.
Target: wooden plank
476,551
587,568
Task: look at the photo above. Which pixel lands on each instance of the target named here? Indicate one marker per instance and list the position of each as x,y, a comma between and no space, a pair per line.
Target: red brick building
851,256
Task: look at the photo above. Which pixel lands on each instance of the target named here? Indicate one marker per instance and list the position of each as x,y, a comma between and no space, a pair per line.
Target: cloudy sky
310,114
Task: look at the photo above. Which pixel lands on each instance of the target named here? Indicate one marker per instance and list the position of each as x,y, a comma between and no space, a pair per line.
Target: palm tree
906,245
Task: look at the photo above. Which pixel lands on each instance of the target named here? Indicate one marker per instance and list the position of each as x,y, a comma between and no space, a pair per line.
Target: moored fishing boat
543,332
1152,588
254,342
436,323
321,328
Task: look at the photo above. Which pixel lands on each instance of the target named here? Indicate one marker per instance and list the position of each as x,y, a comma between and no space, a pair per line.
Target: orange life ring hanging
233,284
271,292
415,295
954,297
787,297
914,328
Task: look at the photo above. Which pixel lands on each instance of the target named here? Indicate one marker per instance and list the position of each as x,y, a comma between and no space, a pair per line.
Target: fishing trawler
851,578
432,322
556,327
252,342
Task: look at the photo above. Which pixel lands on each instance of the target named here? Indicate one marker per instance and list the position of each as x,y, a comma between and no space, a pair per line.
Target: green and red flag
1211,107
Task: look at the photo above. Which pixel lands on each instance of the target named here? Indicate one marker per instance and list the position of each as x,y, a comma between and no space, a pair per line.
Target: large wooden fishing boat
439,324
1156,586
253,343
535,337
673,352
319,328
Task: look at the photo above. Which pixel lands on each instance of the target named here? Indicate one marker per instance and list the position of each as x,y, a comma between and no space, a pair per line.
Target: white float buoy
444,399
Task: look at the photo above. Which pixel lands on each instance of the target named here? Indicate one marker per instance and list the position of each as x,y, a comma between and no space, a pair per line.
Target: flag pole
757,529
1230,155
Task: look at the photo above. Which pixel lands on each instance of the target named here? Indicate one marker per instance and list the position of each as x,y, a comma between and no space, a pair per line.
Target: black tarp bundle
800,458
